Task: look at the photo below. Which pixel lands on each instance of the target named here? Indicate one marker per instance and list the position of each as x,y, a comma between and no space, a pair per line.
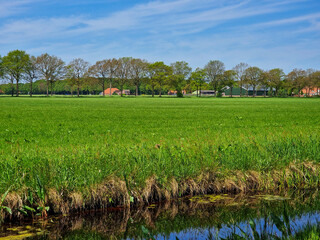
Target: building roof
204,91
113,90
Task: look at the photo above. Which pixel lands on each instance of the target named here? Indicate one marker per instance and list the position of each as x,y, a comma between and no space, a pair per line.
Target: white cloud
14,7
169,31
304,18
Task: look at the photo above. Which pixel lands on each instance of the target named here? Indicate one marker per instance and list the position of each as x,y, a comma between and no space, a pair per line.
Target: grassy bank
92,151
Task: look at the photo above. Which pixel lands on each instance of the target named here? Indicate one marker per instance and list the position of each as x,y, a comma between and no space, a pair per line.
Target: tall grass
72,144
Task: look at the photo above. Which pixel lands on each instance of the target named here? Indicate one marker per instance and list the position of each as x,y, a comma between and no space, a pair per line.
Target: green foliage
2,207
14,65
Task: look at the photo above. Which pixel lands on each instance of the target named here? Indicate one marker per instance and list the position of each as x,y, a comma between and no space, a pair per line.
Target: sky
263,33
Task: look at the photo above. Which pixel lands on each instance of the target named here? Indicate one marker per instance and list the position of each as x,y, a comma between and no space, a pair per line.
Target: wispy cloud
194,30
14,7
177,16
311,18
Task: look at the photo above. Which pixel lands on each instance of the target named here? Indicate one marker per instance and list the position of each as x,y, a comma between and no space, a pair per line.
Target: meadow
73,148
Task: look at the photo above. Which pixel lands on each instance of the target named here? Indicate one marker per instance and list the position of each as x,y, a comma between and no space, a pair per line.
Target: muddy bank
176,217
28,203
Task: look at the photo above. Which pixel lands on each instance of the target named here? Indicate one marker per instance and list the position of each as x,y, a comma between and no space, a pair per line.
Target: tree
315,78
111,66
181,71
15,65
240,69
100,71
297,78
31,72
77,69
309,82
138,72
276,77
229,79
160,73
1,68
123,72
252,75
151,72
198,76
51,68
214,70
264,82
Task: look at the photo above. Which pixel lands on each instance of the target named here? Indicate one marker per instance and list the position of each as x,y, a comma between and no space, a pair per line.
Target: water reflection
288,216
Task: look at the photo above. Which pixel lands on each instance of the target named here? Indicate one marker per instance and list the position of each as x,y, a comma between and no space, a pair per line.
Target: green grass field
73,143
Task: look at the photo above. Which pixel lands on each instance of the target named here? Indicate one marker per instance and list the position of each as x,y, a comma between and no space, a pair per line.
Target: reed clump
116,193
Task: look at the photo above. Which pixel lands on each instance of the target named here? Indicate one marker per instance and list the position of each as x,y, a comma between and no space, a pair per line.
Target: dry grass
114,192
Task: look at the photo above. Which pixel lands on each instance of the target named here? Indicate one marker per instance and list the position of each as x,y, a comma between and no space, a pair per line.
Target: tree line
19,69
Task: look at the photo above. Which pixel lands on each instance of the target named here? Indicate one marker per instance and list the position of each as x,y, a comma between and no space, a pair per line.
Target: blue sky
263,33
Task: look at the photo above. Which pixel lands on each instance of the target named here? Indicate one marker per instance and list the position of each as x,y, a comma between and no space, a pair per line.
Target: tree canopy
49,74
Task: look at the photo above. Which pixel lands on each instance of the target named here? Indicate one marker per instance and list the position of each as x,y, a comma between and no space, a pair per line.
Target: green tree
15,65
138,72
315,78
51,68
198,77
309,80
181,71
151,81
214,70
240,70
76,71
111,66
123,72
31,73
297,79
264,82
159,73
252,76
276,77
1,68
99,73
229,79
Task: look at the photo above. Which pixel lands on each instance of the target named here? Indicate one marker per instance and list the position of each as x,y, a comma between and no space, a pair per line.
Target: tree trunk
78,90
103,94
47,88
240,89
200,91
51,84
31,89
152,91
121,89
160,91
231,91
197,91
12,89
137,90
110,87
265,92
254,91
17,94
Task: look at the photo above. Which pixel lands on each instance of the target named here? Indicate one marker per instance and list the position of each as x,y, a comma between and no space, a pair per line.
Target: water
294,216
